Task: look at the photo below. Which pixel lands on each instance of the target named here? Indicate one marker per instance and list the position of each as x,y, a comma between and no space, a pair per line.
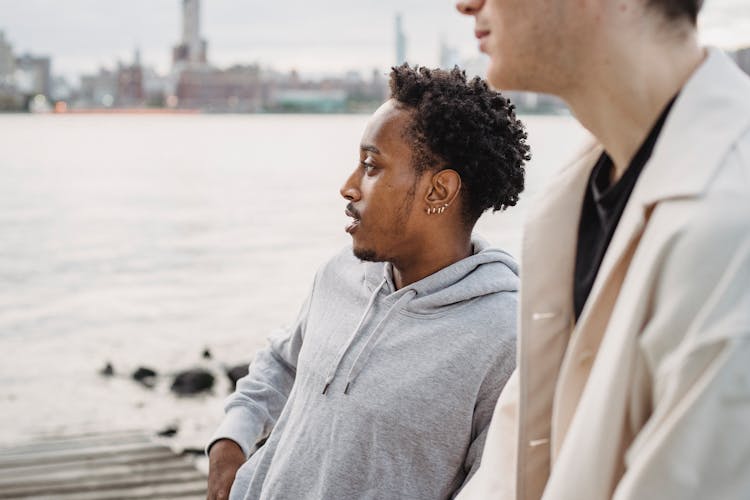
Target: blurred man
382,389
633,378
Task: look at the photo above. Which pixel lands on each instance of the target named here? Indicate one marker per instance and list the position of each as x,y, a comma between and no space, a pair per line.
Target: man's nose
469,7
349,190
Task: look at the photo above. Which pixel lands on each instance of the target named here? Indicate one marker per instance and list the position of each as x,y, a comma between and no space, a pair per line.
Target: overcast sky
312,36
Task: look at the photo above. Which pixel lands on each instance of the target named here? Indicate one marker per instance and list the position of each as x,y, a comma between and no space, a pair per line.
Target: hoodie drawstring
364,353
345,347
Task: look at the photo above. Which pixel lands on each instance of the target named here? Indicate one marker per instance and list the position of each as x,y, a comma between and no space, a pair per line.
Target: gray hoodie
377,393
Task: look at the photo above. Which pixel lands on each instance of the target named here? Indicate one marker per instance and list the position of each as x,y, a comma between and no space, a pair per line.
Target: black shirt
603,205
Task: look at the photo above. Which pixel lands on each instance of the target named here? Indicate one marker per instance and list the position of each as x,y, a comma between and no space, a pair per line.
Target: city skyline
333,36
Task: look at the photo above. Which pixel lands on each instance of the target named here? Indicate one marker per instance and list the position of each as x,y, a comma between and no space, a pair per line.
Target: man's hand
224,459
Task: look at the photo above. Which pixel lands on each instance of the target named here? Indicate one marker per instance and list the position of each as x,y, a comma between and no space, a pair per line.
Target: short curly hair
465,126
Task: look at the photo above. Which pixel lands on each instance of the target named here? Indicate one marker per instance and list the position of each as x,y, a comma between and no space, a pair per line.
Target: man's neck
620,98
434,258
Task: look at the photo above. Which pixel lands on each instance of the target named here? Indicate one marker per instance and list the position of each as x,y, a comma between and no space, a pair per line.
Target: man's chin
367,255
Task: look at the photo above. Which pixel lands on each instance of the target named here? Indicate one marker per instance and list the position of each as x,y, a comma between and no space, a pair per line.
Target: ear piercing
436,210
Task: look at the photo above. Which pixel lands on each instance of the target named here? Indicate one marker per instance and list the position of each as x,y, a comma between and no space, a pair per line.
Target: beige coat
648,394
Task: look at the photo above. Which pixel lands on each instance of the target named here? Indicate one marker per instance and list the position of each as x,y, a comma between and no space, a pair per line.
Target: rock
193,452
237,372
206,353
108,370
168,431
192,382
145,376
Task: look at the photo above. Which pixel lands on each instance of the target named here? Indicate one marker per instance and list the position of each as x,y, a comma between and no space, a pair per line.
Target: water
141,240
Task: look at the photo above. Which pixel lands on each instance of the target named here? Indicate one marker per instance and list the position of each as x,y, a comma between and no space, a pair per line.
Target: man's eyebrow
370,148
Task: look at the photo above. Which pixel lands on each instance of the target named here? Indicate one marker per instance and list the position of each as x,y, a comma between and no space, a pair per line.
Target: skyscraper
7,61
400,42
192,48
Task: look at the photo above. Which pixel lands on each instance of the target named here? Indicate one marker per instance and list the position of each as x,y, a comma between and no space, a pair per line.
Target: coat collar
701,127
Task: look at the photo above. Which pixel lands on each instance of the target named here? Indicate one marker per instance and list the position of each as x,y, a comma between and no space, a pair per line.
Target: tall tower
7,61
400,42
192,48
191,26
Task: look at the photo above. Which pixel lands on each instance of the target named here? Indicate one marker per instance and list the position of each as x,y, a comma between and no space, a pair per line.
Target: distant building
62,90
400,42
7,61
309,100
191,51
238,89
99,90
33,75
156,87
290,93
10,99
130,91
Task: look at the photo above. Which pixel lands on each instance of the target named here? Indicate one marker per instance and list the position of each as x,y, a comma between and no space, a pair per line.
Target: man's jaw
367,255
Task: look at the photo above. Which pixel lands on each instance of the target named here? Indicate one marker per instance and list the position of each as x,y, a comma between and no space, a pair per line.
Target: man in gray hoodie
384,388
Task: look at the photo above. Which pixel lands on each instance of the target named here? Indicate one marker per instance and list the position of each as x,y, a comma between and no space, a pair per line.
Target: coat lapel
588,332
549,243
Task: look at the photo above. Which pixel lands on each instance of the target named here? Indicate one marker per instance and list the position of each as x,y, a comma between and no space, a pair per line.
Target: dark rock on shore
108,370
237,372
192,452
192,382
168,431
145,376
206,353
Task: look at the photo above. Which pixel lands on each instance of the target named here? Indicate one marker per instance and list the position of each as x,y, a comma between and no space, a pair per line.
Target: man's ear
443,189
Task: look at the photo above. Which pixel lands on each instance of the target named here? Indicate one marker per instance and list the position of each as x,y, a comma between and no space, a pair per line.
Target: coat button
539,316
586,357
538,442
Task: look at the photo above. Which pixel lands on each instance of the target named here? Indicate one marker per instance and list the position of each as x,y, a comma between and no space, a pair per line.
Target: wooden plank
194,489
146,457
11,460
102,474
52,444
154,479
122,466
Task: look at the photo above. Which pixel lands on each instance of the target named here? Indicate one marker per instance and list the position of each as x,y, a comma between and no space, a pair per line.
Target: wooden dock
120,466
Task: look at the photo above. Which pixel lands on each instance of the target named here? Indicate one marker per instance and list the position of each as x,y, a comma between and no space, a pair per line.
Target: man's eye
368,167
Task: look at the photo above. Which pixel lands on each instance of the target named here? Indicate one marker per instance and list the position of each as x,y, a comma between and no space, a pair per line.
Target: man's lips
482,37
481,33
354,214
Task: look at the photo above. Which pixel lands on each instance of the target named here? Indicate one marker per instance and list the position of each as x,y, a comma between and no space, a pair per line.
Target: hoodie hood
489,270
